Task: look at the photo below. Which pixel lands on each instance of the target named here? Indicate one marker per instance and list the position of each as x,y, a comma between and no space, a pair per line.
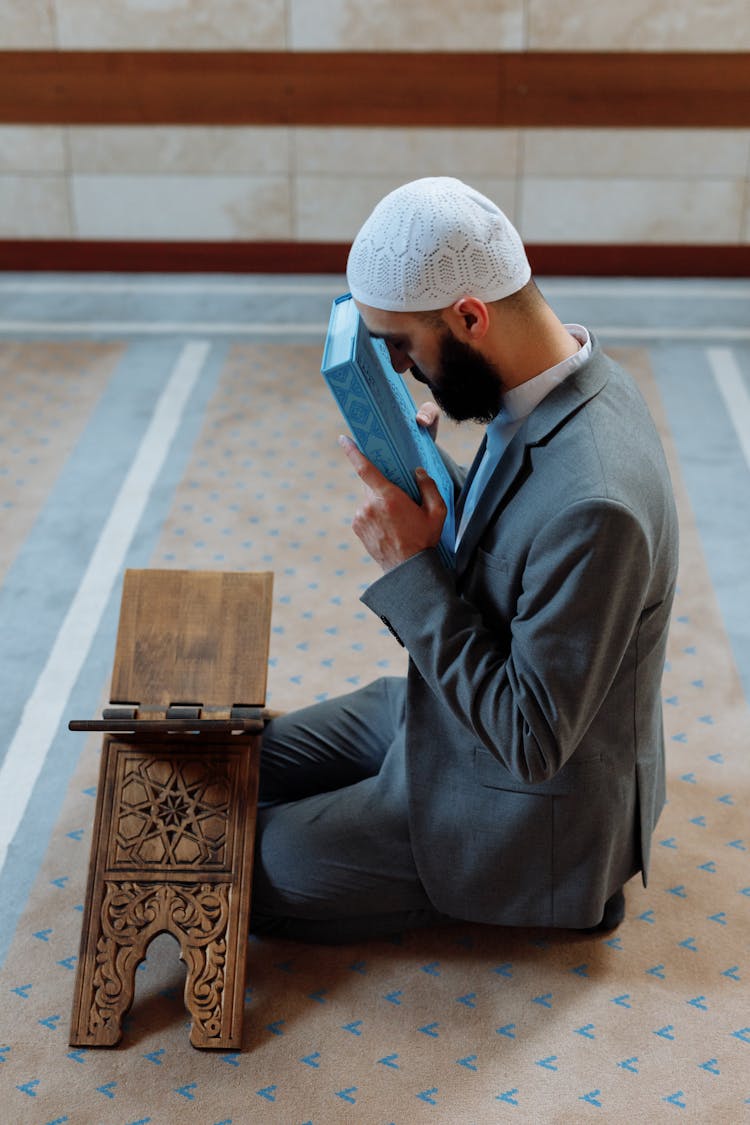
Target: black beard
468,387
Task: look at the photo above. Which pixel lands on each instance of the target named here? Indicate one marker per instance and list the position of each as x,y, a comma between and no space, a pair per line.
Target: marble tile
28,148
331,209
172,24
27,24
34,207
636,152
419,25
407,153
633,210
129,150
182,207
644,25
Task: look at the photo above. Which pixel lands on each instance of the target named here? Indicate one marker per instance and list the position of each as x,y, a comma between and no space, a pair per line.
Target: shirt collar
521,400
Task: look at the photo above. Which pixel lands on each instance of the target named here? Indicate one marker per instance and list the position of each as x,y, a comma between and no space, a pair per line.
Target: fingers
428,417
364,469
432,501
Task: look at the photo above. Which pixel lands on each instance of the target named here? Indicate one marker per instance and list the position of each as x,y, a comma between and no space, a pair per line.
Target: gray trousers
333,859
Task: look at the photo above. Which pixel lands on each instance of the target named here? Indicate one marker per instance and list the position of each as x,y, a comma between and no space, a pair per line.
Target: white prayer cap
431,242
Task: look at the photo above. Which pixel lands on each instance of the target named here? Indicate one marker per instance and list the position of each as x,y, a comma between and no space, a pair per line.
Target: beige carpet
466,1026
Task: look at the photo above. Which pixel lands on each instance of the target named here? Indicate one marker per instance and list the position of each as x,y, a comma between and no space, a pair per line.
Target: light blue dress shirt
517,405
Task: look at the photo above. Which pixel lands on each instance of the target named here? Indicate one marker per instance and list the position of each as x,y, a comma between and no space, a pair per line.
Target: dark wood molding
610,260
521,89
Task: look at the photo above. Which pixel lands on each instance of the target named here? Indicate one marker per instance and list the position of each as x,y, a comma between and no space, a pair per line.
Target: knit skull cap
431,242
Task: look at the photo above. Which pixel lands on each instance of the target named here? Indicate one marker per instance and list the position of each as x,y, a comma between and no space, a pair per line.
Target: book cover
379,410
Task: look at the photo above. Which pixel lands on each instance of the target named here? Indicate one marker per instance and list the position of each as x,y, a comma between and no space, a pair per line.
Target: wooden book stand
174,828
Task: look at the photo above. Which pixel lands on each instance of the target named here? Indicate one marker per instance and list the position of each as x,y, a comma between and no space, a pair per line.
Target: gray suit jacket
534,738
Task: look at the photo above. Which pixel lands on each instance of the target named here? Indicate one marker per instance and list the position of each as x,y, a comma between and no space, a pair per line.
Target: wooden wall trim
607,89
611,260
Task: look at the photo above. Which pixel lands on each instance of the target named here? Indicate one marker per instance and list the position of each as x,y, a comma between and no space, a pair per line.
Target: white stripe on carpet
45,706
733,390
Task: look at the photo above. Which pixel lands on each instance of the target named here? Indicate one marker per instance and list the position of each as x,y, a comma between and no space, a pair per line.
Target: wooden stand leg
171,853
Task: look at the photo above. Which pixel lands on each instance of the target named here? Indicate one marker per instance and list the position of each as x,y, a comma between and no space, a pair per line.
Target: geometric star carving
173,812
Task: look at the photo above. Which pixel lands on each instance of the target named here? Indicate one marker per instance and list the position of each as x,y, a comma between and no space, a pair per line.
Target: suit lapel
551,413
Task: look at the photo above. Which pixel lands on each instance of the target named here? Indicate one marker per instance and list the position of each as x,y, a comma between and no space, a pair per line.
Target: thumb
432,501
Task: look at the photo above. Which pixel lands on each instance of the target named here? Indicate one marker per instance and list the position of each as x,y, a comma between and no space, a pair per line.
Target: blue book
380,412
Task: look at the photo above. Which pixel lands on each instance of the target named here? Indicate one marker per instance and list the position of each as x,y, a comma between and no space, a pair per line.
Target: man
516,774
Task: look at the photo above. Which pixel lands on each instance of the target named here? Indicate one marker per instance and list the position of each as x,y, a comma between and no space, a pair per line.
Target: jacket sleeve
528,688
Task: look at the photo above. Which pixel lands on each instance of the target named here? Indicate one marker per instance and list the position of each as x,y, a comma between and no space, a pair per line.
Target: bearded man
515,775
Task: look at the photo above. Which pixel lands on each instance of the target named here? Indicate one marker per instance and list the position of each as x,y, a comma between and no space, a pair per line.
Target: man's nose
400,361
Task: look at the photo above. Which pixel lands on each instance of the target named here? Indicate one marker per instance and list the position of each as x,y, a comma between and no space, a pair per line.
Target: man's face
465,385
463,382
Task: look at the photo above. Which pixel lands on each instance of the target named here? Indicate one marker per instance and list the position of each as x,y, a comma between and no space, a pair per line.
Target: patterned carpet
180,423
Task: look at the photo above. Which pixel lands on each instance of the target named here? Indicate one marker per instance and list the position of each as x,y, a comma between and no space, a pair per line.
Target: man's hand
390,525
428,417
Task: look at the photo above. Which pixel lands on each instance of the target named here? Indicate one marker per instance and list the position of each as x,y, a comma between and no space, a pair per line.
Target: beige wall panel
182,207
644,25
172,24
176,149
406,25
407,153
29,149
636,152
331,209
590,211
34,207
27,24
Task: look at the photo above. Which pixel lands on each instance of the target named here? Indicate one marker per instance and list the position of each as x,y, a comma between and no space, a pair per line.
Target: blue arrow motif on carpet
509,1096
432,969
509,1030
592,1097
312,1060
155,1056
468,1062
505,970
429,1029
51,1022
629,1064
186,1091
743,1034
548,1063
346,1095
393,997
268,1092
428,1096
711,1065
353,1027
275,1027
107,1089
586,1031
29,1088
699,1002
545,1000
676,1099
468,999
733,973
390,1060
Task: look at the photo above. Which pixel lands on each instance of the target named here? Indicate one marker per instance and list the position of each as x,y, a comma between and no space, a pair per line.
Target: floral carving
132,914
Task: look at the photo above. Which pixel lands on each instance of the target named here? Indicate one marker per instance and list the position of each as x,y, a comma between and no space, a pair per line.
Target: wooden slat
640,260
607,89
192,637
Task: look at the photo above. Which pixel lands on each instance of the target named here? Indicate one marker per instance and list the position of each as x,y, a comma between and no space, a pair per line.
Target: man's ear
469,318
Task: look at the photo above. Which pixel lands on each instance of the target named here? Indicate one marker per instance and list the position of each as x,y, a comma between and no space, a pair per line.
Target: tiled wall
316,185
344,25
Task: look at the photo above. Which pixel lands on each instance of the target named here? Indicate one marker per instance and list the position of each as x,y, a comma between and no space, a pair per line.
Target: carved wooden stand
174,829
